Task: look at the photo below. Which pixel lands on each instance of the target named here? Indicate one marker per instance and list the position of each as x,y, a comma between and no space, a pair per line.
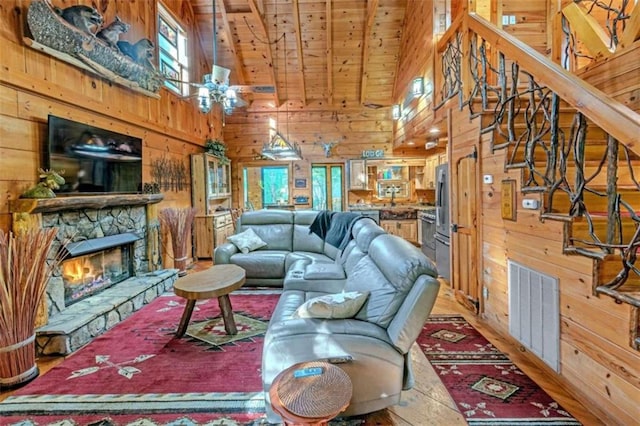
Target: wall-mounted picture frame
300,183
508,204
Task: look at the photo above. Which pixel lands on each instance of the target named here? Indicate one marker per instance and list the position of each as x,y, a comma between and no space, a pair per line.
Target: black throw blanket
334,227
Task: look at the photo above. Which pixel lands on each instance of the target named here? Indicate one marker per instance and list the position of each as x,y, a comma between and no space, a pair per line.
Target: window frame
173,65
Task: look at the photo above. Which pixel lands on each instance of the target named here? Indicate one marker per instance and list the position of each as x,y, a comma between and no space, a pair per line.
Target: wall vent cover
534,316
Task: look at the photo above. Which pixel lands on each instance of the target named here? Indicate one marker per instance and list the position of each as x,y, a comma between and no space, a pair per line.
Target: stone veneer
81,322
86,224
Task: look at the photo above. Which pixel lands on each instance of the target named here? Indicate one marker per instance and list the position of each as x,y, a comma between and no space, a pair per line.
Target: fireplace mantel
48,205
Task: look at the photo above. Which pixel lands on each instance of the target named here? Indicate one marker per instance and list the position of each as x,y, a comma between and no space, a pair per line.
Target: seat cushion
261,263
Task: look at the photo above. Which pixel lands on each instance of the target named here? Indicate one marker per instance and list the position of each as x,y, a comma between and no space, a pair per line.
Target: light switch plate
530,204
488,179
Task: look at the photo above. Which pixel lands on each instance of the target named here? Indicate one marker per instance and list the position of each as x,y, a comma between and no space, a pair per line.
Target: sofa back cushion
274,227
388,272
303,240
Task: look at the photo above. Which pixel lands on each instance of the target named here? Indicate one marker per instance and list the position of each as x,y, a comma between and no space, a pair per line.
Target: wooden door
466,255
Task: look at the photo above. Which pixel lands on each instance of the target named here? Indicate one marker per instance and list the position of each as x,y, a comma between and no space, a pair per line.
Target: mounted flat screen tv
94,161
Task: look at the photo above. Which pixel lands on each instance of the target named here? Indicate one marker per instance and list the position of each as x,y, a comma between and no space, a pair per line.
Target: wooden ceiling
326,53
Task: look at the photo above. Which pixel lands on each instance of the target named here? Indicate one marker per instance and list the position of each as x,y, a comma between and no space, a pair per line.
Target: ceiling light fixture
279,148
215,86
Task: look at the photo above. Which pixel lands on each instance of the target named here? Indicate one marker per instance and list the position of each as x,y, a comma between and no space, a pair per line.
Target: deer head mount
327,147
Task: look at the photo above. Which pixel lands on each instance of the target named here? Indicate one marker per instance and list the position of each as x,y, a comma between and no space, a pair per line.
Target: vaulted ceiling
329,53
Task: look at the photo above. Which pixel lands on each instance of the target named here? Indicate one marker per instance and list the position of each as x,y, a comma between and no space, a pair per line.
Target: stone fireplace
111,264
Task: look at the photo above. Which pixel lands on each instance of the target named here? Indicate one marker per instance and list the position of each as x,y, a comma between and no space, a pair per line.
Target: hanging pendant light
279,148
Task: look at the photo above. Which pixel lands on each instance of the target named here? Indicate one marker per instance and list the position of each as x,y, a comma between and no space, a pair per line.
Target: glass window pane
319,188
275,185
336,188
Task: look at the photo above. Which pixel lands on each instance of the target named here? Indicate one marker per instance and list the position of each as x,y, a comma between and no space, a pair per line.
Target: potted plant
24,274
217,148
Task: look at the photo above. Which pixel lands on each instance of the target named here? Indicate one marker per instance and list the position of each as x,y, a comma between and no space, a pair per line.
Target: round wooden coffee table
217,281
311,400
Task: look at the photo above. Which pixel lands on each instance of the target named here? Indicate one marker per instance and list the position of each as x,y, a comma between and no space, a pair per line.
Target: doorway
466,255
327,183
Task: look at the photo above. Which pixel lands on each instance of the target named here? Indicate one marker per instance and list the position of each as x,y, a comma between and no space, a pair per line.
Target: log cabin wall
416,60
34,84
596,362
354,129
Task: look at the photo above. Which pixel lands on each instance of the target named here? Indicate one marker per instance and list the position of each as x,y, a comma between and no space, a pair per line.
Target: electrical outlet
530,204
488,179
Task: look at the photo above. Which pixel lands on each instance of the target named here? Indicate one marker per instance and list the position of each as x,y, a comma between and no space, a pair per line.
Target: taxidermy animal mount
50,180
327,147
141,52
111,33
81,17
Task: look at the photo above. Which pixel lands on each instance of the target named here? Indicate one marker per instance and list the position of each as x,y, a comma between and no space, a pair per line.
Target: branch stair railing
576,147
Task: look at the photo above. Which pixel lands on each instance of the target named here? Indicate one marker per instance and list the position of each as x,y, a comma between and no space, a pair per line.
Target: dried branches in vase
24,274
178,222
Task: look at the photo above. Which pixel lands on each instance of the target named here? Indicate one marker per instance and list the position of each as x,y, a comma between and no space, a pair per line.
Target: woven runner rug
486,386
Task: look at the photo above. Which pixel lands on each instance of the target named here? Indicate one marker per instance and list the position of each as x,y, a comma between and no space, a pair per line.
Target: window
326,184
265,186
173,61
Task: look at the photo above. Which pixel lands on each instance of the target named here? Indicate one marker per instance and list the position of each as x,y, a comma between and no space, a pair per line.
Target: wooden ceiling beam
632,29
296,22
329,21
239,68
269,56
372,10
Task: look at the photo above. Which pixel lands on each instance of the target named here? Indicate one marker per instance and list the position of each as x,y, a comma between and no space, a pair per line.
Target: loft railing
595,29
576,144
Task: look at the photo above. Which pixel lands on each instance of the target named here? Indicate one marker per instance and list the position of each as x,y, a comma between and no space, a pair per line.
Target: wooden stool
217,281
311,400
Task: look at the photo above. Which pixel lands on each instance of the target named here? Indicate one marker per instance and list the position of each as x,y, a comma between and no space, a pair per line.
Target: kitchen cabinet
210,190
407,229
357,175
430,171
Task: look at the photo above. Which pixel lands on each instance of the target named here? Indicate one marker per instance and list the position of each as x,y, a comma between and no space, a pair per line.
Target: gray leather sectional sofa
402,289
288,240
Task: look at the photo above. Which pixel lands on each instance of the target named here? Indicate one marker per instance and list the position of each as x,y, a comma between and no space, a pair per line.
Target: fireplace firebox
93,265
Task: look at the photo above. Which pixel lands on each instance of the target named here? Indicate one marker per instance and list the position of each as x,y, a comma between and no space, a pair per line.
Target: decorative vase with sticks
178,222
24,274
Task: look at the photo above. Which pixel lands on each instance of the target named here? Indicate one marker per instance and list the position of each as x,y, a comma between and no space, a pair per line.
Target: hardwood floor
429,403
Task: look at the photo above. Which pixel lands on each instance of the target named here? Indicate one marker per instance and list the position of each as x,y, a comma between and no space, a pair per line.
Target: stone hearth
81,322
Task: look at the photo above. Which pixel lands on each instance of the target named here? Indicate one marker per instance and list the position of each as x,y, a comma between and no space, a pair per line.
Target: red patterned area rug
487,387
139,373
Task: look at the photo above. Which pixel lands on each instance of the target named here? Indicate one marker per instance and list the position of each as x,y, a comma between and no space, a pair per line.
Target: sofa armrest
222,254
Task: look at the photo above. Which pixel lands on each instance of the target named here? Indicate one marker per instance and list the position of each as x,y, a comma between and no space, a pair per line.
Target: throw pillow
338,305
247,241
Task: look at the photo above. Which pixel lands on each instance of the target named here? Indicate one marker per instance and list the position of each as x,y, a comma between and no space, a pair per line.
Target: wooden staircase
585,176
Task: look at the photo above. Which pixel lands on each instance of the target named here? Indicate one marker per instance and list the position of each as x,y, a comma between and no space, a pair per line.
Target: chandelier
215,86
215,89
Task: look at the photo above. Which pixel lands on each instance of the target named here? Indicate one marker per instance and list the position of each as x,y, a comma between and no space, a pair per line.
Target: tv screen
93,160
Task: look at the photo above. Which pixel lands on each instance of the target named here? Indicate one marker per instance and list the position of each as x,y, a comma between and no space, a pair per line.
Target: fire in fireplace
94,265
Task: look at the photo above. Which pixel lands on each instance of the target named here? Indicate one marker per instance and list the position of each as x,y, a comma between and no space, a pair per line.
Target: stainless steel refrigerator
443,223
